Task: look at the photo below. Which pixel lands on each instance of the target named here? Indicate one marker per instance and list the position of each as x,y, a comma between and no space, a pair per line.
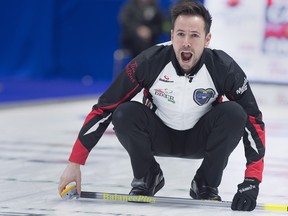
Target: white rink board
36,141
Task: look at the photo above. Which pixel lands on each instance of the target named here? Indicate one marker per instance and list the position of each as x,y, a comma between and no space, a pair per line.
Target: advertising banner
255,34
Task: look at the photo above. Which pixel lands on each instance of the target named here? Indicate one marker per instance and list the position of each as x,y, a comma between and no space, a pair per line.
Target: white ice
36,140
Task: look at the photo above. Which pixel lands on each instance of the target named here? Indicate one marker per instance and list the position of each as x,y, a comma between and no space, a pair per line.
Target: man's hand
72,173
246,196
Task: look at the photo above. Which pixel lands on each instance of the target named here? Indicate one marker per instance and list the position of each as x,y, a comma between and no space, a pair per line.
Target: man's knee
121,113
125,113
234,112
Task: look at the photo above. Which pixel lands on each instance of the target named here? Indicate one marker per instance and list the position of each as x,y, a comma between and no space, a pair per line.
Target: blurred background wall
255,34
59,38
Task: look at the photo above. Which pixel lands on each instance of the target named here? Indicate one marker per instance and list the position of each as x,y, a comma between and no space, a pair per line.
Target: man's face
189,40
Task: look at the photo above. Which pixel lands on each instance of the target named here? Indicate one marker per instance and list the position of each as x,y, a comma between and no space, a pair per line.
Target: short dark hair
190,7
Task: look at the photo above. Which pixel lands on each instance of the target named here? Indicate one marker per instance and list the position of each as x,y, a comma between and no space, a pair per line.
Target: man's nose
186,42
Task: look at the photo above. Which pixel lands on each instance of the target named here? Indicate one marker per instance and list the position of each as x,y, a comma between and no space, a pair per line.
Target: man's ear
207,39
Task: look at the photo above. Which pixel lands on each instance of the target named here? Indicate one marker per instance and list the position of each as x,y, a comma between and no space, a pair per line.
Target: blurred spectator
141,23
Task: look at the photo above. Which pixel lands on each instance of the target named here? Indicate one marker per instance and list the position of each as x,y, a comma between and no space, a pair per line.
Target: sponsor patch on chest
165,93
202,96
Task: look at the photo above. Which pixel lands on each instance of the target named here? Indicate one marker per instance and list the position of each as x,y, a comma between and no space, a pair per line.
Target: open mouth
186,56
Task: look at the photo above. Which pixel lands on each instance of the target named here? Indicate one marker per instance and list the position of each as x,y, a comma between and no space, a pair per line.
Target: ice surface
36,140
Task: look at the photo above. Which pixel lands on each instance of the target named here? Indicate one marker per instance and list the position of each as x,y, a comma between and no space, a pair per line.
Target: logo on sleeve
202,96
130,70
243,88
